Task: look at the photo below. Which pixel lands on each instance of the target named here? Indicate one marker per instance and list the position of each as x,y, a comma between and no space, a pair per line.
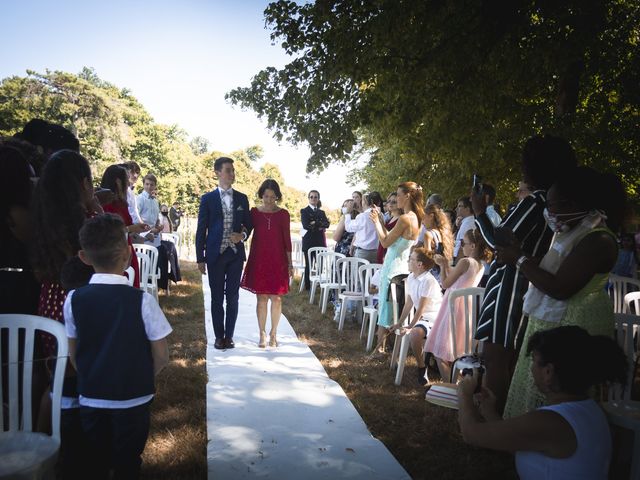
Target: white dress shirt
132,206
466,225
156,327
366,236
149,209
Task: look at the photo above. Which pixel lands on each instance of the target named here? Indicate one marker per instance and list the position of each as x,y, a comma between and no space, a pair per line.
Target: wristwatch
521,260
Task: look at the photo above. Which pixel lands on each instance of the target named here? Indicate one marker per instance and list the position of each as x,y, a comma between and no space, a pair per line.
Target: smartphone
477,183
502,236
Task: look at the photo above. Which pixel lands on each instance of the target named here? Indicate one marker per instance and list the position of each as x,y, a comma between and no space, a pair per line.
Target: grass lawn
424,438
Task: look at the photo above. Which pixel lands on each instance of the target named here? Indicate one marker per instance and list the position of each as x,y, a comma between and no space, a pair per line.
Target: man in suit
314,223
224,223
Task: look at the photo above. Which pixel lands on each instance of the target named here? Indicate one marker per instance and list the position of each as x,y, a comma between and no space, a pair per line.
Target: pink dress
439,339
267,269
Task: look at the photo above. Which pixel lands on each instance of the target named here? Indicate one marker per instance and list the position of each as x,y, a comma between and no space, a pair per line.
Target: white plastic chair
24,453
619,287
352,285
331,278
130,275
297,259
369,309
149,281
472,299
620,409
402,342
315,269
173,238
144,266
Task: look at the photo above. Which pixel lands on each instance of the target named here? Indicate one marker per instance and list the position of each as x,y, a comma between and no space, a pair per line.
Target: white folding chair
24,453
618,288
471,300
130,275
352,285
151,283
331,278
369,309
315,269
620,409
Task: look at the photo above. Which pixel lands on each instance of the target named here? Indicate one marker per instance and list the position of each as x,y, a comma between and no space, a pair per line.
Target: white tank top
591,459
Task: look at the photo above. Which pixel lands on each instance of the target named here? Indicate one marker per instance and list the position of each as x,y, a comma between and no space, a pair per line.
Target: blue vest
113,352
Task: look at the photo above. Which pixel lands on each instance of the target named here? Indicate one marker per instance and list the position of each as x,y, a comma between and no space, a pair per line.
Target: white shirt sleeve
352,225
155,323
430,288
67,312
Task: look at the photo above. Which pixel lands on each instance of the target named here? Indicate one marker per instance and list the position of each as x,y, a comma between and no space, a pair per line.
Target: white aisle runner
274,412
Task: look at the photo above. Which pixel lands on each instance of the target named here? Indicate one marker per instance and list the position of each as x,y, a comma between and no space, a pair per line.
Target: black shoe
421,379
219,344
228,343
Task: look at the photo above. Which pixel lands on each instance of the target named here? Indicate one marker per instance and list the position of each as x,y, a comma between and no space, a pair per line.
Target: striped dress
501,311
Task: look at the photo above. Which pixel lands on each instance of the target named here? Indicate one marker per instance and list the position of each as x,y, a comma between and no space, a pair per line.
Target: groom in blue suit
224,223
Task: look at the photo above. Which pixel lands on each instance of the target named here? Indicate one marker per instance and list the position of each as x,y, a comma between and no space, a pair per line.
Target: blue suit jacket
211,221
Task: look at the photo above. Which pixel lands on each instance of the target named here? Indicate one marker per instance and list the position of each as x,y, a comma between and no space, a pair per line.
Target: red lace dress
123,211
267,270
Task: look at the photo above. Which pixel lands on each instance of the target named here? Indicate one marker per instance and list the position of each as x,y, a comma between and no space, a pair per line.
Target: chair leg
404,350
395,353
324,299
312,293
372,330
301,283
343,313
364,324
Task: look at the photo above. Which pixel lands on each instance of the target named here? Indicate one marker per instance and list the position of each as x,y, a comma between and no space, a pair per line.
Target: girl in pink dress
467,273
269,265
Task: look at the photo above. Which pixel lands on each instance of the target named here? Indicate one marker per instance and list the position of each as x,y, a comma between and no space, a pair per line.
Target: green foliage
114,127
434,91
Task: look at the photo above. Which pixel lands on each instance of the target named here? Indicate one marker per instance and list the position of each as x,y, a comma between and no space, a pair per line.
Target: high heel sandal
263,340
272,341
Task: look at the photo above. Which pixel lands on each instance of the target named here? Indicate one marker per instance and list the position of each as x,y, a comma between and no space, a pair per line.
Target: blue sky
177,58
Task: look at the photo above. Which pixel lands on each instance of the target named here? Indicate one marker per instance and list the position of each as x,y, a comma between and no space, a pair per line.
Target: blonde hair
443,225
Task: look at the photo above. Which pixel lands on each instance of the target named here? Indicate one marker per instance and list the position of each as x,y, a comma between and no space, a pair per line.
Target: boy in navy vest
117,342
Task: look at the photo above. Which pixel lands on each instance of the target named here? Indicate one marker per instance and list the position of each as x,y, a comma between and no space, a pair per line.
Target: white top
366,236
593,453
156,327
132,206
425,285
467,224
421,234
494,216
226,198
149,209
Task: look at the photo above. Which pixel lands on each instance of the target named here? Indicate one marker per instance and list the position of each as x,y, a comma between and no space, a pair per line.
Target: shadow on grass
424,438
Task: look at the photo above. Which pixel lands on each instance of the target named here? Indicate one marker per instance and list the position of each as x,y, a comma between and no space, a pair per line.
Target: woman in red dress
269,266
115,179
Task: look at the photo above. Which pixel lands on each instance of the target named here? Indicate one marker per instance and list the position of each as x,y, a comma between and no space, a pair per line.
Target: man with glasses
314,224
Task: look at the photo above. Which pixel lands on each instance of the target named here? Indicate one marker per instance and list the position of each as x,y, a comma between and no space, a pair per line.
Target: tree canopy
114,127
434,91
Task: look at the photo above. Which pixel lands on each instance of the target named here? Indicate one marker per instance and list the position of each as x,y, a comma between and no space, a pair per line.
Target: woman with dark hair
398,242
115,178
357,201
568,285
343,238
568,438
544,159
394,215
314,224
269,265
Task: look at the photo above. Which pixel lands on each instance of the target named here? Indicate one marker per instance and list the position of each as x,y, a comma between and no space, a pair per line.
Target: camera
439,249
473,362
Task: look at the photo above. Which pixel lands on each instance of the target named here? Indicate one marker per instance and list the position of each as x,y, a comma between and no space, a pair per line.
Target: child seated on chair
426,296
117,342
